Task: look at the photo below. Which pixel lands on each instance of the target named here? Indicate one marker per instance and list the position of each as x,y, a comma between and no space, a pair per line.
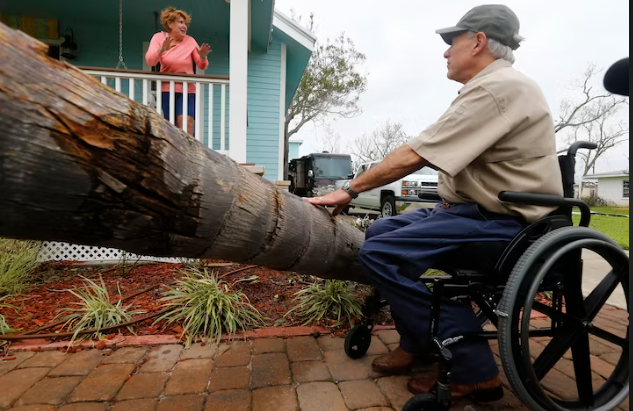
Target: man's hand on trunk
339,198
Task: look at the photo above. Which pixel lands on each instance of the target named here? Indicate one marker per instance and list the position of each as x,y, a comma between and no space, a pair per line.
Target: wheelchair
503,281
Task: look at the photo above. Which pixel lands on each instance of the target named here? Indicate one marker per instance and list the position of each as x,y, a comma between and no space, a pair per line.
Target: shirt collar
491,68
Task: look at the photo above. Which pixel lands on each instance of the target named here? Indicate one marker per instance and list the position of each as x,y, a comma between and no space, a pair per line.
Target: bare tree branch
592,118
605,135
592,107
302,123
379,144
329,141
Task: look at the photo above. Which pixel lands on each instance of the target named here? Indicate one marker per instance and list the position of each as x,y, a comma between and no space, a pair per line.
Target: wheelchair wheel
358,341
557,259
423,402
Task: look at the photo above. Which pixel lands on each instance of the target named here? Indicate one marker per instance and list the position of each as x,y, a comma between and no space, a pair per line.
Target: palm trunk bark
80,163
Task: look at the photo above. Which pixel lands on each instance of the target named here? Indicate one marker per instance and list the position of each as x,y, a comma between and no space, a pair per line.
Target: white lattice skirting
54,251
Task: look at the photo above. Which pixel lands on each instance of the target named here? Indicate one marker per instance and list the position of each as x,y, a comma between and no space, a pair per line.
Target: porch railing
211,120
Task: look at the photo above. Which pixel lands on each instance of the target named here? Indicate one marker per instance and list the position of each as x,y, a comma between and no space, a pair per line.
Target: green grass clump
18,259
207,306
332,300
4,325
95,311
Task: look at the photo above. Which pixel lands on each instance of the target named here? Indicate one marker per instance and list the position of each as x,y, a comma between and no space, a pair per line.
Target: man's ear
481,43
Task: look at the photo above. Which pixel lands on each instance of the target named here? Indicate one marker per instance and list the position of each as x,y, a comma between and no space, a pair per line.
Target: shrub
333,300
595,201
96,310
18,259
207,306
4,326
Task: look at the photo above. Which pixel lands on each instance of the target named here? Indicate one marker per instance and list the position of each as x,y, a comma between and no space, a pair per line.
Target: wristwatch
347,187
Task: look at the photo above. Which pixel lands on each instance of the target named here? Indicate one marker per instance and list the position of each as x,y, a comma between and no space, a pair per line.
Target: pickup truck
393,198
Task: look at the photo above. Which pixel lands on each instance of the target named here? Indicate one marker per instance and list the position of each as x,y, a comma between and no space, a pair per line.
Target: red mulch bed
272,295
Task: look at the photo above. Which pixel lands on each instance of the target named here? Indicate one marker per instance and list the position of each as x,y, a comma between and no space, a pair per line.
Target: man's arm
472,125
398,164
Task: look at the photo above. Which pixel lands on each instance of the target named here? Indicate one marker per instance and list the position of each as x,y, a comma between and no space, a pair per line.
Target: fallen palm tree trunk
82,164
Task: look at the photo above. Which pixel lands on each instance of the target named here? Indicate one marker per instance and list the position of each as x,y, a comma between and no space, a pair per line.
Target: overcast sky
407,72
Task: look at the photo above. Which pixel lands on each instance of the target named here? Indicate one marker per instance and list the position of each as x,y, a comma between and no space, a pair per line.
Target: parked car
393,198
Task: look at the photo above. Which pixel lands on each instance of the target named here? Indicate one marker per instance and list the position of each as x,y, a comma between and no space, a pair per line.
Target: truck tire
388,206
292,187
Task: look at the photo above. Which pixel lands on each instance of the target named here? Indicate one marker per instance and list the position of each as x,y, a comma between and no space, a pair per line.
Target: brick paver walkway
304,374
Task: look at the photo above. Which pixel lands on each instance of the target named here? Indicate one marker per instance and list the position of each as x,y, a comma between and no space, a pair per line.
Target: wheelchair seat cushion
481,257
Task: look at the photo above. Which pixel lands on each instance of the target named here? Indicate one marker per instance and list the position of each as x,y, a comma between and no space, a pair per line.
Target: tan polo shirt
498,135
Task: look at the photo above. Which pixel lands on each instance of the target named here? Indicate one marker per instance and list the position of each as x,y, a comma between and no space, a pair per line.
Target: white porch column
282,112
238,96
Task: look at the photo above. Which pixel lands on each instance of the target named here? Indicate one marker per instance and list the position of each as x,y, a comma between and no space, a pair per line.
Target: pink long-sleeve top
177,60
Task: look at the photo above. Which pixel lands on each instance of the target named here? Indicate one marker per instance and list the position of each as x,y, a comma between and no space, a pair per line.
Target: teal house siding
264,86
293,149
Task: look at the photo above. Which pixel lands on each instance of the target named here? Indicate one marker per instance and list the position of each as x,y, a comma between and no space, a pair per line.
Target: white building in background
612,186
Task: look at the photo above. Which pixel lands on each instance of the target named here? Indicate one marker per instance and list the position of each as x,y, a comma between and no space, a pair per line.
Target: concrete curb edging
153,340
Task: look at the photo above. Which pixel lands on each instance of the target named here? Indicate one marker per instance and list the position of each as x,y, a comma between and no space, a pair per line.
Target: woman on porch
177,52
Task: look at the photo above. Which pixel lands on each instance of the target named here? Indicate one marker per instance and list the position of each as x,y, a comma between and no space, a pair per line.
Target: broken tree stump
82,164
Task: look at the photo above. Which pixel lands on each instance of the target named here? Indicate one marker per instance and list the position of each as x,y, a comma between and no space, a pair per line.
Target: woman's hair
169,15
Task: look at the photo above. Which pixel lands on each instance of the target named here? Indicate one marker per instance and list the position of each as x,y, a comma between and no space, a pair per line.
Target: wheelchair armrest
547,200
430,196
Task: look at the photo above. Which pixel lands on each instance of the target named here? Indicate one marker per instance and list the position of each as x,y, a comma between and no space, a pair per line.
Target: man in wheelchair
498,135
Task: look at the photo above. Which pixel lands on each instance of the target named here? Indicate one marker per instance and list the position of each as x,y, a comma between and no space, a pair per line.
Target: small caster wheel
423,402
358,341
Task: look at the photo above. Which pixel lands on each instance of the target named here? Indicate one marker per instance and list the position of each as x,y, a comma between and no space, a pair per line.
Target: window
338,168
626,189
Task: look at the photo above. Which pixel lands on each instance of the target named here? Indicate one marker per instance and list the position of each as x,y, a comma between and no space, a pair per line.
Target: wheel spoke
612,338
557,304
582,368
598,298
572,278
555,351
555,314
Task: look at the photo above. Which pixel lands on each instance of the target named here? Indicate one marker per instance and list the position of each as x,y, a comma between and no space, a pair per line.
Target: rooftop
616,173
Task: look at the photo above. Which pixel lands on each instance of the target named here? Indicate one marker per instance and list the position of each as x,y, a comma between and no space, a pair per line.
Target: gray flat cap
496,21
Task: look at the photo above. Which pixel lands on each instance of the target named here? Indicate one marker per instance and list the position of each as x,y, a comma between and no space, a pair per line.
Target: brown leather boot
396,362
487,391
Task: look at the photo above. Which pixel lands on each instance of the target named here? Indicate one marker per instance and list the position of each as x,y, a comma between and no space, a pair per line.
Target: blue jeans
191,104
400,249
